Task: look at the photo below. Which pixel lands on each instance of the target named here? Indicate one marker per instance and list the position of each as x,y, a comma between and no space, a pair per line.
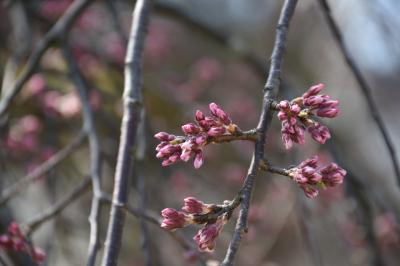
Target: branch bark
95,154
270,92
132,108
365,88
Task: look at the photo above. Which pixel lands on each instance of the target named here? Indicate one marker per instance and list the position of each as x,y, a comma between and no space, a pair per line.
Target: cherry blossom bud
201,139
282,115
206,237
319,133
174,157
166,162
163,136
185,155
314,90
173,219
198,160
169,149
13,229
295,109
190,129
310,162
216,131
192,205
328,112
333,174
218,112
38,255
284,105
199,115
310,192
287,141
161,145
313,100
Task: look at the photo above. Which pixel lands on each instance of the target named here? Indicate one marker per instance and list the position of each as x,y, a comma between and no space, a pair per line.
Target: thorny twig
95,156
59,30
131,118
365,88
270,92
23,183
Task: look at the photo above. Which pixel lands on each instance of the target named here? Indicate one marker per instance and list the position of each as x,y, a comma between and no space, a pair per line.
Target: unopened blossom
196,135
173,219
297,116
206,236
193,205
15,240
310,177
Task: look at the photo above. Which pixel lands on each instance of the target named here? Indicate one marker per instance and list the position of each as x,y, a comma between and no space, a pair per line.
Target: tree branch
55,209
24,182
270,92
59,30
365,88
132,108
95,156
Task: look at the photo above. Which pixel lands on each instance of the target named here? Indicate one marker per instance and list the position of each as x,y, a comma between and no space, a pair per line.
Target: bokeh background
199,52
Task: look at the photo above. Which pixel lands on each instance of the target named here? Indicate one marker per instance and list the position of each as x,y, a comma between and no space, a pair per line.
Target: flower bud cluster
196,212
296,116
175,148
15,240
310,177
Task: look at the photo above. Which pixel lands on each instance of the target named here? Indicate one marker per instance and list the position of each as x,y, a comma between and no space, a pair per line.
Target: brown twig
365,88
270,92
59,30
49,213
95,156
131,118
24,182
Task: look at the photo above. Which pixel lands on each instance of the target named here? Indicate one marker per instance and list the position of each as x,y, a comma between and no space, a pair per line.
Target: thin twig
48,165
55,209
131,118
95,156
59,30
270,92
365,88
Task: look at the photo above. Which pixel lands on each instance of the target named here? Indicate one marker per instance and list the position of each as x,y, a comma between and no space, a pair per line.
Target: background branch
365,88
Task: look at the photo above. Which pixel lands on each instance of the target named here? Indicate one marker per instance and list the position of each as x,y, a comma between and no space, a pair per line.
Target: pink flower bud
174,157
185,155
319,133
198,160
282,115
206,237
173,219
284,105
38,255
190,129
314,90
328,112
310,162
169,149
216,131
310,192
166,162
287,141
219,113
201,139
199,115
295,109
313,100
14,230
192,205
163,136
161,145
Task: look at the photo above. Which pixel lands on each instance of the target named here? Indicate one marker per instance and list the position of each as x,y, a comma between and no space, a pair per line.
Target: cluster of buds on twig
197,135
212,217
296,116
15,240
310,177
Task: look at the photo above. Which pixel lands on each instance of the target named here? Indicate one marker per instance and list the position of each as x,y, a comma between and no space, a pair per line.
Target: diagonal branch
95,156
365,88
24,182
270,92
131,118
59,30
55,209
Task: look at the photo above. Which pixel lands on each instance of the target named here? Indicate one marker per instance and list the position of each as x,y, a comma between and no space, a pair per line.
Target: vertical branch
365,88
95,156
131,118
270,92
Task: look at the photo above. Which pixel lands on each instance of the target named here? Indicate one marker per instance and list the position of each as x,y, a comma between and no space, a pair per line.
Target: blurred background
198,52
